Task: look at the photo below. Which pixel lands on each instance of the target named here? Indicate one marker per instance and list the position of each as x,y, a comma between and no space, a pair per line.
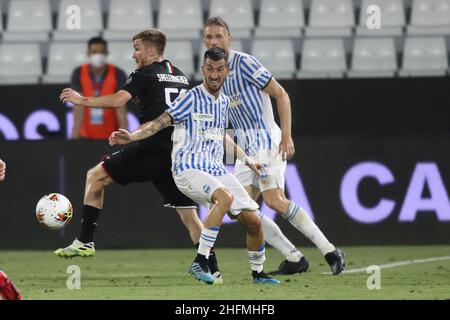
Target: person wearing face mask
93,79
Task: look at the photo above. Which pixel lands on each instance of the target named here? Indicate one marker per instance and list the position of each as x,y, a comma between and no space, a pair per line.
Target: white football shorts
272,176
199,186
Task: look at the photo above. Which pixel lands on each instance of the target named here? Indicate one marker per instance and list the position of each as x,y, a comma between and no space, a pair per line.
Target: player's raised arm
146,130
275,90
115,100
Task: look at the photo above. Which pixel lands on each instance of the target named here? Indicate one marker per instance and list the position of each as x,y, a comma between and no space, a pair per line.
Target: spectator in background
93,79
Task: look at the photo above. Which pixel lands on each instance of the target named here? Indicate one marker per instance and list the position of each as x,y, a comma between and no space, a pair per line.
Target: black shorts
148,160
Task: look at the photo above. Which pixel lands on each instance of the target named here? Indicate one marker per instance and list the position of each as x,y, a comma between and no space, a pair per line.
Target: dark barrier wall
372,166
371,107
360,191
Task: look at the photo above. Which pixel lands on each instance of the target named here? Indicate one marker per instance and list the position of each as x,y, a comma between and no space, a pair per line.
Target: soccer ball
54,211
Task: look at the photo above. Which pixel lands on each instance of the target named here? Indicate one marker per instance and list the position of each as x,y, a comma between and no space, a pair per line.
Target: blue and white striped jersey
200,123
251,109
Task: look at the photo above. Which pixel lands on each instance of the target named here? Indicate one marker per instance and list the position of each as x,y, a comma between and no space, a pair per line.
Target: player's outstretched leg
298,217
199,269
255,246
8,291
96,181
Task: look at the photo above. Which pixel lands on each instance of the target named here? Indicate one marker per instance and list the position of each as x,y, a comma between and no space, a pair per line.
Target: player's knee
187,216
224,199
94,177
253,224
275,202
90,176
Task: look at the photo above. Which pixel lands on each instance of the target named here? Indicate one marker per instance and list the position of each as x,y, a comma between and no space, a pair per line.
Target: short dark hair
96,40
217,21
216,54
155,37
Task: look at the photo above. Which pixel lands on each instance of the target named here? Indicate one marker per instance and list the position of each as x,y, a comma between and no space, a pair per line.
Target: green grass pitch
162,274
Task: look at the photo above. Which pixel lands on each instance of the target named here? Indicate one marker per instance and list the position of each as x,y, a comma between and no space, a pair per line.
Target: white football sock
275,237
257,258
207,240
298,217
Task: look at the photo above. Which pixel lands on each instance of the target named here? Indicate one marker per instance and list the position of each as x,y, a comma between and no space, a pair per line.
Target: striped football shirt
251,109
200,123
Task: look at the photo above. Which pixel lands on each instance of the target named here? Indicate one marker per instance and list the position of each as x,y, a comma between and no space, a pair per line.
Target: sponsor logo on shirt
216,134
203,117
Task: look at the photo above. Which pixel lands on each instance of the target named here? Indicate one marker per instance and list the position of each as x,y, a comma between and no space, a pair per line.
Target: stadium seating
331,18
20,63
280,19
237,13
180,19
28,20
424,57
277,56
309,26
63,59
180,53
392,18
430,17
322,58
120,54
126,18
90,25
236,45
373,58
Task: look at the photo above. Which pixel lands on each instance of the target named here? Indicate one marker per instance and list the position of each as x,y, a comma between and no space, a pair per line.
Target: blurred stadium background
370,115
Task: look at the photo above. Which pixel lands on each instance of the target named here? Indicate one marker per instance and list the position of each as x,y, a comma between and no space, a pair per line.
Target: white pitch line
396,264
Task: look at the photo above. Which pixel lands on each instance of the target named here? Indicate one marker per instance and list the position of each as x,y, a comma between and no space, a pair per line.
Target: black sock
257,274
202,261
88,223
213,266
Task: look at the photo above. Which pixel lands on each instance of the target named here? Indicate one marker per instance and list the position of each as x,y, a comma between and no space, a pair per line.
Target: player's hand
287,148
255,166
2,170
121,136
71,96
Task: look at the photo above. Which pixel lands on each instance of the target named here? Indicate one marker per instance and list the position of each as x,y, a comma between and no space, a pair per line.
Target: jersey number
173,91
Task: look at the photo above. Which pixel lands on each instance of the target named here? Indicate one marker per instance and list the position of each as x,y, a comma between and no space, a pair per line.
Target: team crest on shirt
236,100
203,117
206,188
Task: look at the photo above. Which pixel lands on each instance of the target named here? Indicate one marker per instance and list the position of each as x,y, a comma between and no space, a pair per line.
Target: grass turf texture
162,274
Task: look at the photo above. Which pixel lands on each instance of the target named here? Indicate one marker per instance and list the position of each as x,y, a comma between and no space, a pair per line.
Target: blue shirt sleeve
181,107
254,72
